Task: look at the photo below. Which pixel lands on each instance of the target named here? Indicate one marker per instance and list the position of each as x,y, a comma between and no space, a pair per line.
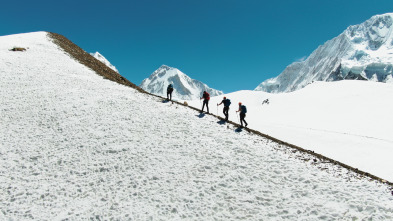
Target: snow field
76,146
348,121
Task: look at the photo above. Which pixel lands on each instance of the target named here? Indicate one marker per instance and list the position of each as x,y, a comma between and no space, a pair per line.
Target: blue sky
229,45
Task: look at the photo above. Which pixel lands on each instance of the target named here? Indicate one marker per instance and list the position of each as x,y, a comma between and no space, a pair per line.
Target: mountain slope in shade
361,52
101,58
185,88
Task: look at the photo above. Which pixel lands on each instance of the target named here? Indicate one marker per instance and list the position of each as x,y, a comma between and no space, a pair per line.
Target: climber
243,111
206,98
226,103
169,91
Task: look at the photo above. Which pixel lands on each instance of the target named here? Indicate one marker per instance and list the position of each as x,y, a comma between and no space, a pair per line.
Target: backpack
227,102
206,96
243,109
170,88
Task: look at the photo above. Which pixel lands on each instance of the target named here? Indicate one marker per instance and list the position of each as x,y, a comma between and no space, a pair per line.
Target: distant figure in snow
265,102
206,98
243,111
226,103
169,91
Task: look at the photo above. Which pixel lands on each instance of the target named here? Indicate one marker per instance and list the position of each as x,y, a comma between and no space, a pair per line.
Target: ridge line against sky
228,45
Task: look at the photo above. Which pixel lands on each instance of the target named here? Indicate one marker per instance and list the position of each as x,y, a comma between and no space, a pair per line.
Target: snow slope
101,58
361,52
76,146
349,121
185,88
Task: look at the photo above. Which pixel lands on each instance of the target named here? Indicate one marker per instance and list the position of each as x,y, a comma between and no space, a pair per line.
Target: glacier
361,52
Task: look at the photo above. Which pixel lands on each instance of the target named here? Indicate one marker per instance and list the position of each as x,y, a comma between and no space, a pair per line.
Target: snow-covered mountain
77,146
185,88
361,52
101,58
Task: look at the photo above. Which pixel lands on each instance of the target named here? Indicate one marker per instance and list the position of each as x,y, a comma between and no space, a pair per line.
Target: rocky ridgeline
88,60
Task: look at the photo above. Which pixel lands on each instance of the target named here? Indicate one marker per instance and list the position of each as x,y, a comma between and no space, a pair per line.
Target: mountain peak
164,67
373,33
384,15
101,58
97,54
361,52
163,71
185,87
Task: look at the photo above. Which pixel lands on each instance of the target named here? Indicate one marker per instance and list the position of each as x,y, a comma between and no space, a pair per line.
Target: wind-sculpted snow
76,146
361,52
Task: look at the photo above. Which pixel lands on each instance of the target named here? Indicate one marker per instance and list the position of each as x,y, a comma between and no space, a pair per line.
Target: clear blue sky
230,45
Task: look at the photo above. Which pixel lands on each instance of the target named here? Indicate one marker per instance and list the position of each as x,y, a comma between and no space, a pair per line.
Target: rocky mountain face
361,52
185,88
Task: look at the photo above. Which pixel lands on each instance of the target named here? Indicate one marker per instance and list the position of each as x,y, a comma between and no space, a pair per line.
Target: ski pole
217,110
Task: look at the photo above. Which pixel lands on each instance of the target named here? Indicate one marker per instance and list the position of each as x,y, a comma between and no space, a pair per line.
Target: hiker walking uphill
169,91
226,103
206,98
243,111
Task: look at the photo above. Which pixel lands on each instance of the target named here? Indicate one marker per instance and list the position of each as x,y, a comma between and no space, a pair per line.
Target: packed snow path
76,146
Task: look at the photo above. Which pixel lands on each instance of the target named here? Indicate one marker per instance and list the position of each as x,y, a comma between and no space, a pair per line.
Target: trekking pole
217,110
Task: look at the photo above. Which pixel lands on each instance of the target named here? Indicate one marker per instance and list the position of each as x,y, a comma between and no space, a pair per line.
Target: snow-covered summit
101,58
361,52
185,87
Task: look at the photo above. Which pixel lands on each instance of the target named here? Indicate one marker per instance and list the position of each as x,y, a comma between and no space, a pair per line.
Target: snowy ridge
185,88
361,52
101,58
76,146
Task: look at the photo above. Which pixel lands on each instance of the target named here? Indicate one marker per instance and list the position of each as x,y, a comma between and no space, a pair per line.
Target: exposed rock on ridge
88,60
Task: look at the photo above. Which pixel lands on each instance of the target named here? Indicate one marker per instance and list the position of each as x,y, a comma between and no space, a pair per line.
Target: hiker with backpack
243,111
226,103
206,98
169,91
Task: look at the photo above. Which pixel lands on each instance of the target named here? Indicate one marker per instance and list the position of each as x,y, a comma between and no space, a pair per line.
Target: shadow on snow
221,122
201,115
239,129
